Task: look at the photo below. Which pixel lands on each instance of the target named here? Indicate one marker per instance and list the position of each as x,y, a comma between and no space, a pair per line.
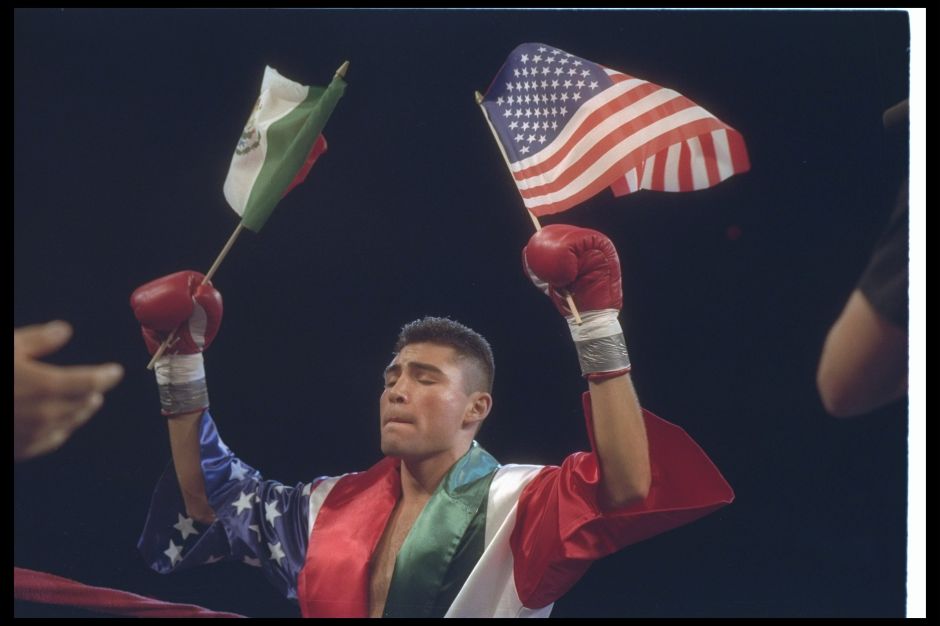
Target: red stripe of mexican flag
278,145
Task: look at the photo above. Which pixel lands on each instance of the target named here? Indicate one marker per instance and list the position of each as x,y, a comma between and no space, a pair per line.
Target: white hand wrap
599,341
182,382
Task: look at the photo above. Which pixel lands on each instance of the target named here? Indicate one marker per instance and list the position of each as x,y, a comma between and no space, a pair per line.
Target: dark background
125,122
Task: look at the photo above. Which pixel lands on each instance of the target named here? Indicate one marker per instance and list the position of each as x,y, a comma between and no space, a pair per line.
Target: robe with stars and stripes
493,541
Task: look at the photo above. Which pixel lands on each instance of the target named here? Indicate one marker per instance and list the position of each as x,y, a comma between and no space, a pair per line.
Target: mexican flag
279,145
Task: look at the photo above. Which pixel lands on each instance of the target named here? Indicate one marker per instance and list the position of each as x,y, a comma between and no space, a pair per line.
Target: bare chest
383,561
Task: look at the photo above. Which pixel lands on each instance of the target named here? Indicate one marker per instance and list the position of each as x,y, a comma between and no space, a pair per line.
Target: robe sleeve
561,529
261,523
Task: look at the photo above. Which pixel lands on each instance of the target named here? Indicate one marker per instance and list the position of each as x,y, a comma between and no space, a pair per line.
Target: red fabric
334,581
46,588
560,528
319,147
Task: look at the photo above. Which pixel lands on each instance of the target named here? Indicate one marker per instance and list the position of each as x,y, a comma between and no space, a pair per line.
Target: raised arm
162,305
584,263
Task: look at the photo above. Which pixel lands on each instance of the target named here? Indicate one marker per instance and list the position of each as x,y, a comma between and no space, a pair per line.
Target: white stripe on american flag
631,180
648,172
723,154
699,171
671,178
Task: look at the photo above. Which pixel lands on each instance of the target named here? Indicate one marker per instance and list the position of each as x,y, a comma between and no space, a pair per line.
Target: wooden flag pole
171,338
535,220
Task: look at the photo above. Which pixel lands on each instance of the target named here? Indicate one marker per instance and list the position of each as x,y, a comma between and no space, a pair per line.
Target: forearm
620,439
864,361
187,461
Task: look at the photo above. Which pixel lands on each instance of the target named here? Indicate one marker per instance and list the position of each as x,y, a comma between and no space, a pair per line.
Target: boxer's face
425,408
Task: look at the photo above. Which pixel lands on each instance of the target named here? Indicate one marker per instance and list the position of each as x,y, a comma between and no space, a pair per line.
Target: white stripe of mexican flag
280,134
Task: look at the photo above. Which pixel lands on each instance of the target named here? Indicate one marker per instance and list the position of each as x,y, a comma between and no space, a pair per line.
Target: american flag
569,128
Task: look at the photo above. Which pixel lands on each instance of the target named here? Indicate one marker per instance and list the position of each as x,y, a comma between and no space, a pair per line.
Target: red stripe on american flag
739,156
685,167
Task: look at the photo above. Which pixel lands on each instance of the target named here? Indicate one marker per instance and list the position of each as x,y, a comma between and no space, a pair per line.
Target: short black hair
466,342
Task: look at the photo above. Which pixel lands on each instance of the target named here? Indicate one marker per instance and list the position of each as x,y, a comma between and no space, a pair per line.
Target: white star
562,61
524,150
276,552
257,530
518,112
537,58
544,70
508,86
555,84
576,62
555,51
525,126
528,98
558,71
538,112
544,84
212,559
541,138
554,125
567,84
545,112
185,526
499,101
511,100
572,72
593,84
564,97
513,125
517,72
531,138
576,96
549,59
528,112
174,552
238,471
525,58
554,111
243,502
270,512
542,48
563,111
535,126
518,86
579,84
250,561
507,113
525,71
585,73
519,137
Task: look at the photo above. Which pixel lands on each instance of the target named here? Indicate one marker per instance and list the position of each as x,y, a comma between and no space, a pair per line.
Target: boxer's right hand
178,301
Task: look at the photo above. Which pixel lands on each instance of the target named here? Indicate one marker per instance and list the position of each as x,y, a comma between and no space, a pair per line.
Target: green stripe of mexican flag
282,129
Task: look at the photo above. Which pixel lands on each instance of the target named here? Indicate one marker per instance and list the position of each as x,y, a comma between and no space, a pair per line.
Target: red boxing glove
584,263
178,301
580,261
